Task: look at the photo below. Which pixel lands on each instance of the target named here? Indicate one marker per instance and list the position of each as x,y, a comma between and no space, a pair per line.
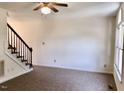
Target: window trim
119,72
116,67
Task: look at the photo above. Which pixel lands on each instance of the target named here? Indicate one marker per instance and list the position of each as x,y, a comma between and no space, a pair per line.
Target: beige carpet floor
55,79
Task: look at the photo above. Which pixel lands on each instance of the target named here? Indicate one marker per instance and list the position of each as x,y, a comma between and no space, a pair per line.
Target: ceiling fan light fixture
45,10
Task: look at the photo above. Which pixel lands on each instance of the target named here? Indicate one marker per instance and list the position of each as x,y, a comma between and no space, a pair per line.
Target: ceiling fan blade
45,3
38,7
53,8
60,4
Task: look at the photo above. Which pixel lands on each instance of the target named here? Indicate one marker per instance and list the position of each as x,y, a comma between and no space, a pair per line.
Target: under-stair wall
10,67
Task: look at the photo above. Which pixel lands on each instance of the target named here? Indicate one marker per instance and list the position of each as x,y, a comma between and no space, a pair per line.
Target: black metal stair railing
18,46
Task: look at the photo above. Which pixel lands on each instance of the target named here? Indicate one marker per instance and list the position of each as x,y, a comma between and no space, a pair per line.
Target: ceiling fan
46,7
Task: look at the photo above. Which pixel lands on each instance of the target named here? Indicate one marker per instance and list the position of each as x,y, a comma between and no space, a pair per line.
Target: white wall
80,43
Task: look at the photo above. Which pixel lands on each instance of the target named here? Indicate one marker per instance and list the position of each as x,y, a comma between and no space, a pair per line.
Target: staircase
18,47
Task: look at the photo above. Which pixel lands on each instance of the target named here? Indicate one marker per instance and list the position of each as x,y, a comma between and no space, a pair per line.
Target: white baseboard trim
104,72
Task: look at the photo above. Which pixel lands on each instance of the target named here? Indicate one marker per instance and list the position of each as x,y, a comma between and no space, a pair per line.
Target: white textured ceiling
75,9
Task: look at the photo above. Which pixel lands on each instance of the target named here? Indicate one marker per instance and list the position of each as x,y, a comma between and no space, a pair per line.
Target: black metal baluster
27,57
21,49
31,57
8,37
23,52
11,42
14,43
11,38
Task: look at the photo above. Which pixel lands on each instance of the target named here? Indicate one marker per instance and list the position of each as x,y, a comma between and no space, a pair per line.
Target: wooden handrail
19,37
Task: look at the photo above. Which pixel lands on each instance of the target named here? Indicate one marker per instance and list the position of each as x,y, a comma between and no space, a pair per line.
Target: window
119,16
119,47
